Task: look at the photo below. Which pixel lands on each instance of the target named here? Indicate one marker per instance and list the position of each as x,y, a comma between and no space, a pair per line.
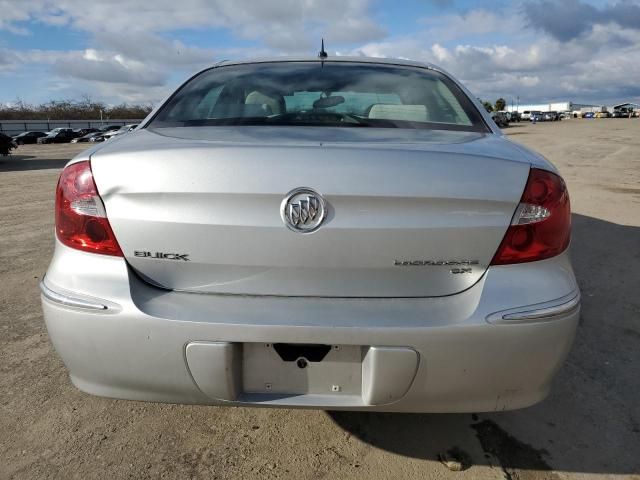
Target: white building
552,107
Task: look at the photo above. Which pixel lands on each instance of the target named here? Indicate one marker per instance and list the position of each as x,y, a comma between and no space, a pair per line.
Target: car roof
331,59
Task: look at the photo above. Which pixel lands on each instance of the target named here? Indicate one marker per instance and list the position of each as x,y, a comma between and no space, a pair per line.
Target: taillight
81,220
541,225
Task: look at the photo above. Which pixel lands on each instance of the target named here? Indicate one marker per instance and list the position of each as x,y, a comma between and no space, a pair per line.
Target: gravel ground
588,428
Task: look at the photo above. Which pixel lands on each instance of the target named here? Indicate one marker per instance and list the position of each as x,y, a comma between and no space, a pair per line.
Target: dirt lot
588,428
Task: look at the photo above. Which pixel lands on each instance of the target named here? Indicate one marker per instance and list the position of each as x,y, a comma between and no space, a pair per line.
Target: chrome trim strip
69,301
540,312
544,312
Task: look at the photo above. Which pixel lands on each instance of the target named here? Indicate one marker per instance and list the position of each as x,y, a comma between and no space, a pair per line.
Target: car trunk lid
409,213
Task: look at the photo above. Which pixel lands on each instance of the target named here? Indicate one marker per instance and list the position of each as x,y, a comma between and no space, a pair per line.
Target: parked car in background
58,129
120,131
621,114
551,116
58,135
588,115
536,117
86,138
81,132
510,116
104,133
245,246
128,128
603,115
500,118
108,128
526,115
26,138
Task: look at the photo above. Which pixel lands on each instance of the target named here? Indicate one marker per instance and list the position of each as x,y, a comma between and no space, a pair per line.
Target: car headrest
259,98
239,110
409,113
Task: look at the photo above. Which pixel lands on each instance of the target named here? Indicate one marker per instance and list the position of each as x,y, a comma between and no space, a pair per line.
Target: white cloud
8,59
570,19
440,53
602,64
150,48
129,38
108,68
300,21
529,81
131,54
444,28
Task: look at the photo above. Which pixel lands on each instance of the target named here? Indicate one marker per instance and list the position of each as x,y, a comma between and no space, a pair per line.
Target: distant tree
501,103
487,106
83,109
129,111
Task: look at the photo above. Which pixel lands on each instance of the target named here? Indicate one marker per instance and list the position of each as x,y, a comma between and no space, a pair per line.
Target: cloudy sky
139,50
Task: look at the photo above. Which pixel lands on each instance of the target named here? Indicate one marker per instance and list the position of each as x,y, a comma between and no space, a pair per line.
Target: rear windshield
316,94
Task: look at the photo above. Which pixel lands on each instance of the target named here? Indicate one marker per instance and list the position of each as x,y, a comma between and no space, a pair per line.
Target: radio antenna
322,54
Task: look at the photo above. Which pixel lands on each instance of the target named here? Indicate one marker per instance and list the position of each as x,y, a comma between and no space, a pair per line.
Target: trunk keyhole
302,363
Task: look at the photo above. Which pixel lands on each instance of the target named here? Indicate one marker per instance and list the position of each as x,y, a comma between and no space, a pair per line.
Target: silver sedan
334,233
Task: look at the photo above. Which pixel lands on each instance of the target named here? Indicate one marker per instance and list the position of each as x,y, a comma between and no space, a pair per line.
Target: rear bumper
485,349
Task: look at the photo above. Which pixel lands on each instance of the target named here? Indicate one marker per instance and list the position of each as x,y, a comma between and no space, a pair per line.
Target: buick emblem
303,210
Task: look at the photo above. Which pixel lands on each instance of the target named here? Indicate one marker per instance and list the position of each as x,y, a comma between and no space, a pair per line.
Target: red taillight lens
81,221
541,226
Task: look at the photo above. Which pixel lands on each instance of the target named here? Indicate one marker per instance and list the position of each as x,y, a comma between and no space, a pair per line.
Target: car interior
355,96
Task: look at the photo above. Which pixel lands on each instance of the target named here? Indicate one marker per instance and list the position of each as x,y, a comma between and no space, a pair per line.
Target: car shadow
21,163
591,421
